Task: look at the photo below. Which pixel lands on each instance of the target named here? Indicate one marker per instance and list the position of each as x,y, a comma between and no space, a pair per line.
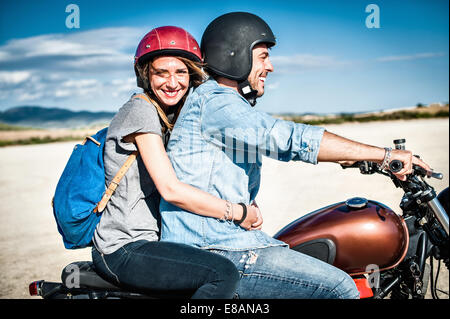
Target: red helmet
166,40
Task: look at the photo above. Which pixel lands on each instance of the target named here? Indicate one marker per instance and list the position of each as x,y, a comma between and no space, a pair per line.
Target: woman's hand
254,218
258,224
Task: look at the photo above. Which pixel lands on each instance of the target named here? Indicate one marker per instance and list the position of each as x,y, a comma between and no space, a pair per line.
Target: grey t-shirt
132,213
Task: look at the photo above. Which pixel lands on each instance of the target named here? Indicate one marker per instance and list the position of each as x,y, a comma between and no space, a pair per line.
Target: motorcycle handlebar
411,186
395,166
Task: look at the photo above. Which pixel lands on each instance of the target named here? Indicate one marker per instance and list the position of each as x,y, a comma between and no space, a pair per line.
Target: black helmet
227,45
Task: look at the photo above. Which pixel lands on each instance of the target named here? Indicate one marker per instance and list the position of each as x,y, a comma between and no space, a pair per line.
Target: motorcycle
385,253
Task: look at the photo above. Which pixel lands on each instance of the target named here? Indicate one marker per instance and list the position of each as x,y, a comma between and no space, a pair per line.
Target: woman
126,248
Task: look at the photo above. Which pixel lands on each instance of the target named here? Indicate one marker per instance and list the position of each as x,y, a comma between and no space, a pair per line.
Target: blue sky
326,59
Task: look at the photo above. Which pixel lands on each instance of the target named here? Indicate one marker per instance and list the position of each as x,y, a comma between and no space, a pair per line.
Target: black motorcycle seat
88,278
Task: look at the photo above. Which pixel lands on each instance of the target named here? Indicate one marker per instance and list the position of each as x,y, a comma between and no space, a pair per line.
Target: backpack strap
144,97
91,139
115,182
122,171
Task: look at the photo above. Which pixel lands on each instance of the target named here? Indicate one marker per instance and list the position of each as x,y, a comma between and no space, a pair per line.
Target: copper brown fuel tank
351,235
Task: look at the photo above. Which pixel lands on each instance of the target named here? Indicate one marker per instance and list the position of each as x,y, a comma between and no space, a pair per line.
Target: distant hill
43,117
434,110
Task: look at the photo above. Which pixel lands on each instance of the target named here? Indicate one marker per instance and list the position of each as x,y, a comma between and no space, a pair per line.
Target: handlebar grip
437,175
395,166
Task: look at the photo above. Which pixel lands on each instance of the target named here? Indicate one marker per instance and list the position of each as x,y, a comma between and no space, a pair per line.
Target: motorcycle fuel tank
361,235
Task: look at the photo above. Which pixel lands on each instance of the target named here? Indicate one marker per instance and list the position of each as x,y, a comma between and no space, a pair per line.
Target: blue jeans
280,272
169,269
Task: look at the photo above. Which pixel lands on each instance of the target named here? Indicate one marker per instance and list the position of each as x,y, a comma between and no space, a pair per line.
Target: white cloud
27,96
80,83
303,62
13,77
4,55
62,93
106,41
272,86
123,87
69,67
416,56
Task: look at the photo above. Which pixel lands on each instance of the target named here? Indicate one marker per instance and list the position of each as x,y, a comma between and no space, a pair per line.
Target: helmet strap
246,90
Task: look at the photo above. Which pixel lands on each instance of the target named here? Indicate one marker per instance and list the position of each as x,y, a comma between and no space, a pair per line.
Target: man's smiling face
260,68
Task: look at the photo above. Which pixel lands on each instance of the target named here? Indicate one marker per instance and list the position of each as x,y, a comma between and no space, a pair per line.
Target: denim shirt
217,145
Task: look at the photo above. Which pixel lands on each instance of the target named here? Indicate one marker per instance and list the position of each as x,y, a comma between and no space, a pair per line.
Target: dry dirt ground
16,135
31,247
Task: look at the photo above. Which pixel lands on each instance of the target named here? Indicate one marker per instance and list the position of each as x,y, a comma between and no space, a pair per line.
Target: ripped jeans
280,272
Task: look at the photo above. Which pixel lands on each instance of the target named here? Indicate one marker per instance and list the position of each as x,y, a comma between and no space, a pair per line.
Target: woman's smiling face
169,80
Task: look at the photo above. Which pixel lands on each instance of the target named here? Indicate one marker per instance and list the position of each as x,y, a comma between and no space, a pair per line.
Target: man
217,145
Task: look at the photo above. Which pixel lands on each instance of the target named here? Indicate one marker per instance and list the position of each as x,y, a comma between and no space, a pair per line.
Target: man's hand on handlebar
408,160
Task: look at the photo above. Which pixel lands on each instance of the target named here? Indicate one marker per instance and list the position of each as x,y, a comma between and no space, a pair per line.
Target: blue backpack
81,194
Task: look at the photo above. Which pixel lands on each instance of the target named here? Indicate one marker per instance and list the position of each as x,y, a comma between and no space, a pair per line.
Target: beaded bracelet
228,211
387,157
